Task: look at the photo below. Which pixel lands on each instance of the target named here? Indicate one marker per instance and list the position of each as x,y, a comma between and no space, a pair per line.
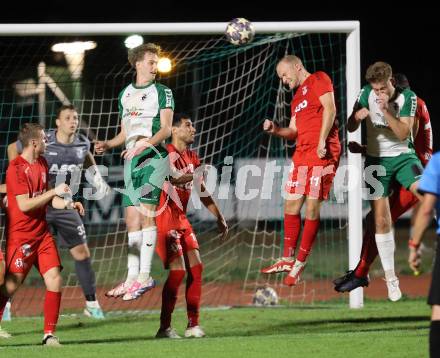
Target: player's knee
80,252
382,225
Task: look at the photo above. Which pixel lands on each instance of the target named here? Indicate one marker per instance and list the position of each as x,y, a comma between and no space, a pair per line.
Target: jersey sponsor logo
54,169
301,106
168,97
132,112
304,90
51,153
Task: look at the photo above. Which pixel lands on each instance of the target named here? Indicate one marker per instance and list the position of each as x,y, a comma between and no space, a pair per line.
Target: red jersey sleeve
323,84
423,140
16,180
195,160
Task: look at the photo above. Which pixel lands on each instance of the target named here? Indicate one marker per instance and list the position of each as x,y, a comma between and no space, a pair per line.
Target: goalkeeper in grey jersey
67,152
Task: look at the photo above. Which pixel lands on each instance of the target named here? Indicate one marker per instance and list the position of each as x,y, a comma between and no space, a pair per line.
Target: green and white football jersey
381,140
139,108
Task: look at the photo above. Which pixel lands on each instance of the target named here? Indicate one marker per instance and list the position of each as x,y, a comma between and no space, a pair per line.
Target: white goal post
350,28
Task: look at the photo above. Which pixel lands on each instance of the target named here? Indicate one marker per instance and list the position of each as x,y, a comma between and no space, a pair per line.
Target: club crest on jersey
79,152
26,250
144,96
304,90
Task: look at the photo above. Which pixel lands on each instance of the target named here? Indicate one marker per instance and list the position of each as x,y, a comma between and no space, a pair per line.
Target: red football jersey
308,110
423,139
185,162
23,177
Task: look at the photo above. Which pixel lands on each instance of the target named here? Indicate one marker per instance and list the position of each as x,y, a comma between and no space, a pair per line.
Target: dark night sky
404,35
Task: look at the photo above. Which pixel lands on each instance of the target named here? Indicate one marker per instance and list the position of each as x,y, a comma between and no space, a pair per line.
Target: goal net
228,91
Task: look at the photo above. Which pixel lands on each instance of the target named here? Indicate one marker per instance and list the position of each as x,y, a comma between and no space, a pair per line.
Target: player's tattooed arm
357,116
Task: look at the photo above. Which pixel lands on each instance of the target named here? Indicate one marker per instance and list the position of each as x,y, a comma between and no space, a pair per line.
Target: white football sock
134,248
149,236
386,247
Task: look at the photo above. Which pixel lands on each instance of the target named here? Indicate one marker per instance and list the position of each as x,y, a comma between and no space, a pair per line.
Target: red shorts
41,253
401,200
175,236
312,176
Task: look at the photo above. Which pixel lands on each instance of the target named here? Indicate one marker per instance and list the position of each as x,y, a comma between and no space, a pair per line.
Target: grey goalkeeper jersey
65,160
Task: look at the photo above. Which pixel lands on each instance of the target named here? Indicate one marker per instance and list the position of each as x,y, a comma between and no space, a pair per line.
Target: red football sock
368,254
193,293
169,297
52,303
310,232
292,227
3,301
400,202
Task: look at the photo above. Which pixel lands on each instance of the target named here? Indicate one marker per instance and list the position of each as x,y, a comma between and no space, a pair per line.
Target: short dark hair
64,107
400,80
177,118
379,72
137,53
29,131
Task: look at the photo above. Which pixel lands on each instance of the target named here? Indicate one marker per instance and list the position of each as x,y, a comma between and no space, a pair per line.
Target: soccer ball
265,296
240,31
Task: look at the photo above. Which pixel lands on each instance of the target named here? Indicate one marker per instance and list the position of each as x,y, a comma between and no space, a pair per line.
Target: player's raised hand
63,190
382,100
361,114
222,228
356,148
100,146
269,126
78,207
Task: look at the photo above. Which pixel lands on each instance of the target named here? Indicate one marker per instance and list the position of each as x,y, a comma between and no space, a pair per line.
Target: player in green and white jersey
146,108
389,115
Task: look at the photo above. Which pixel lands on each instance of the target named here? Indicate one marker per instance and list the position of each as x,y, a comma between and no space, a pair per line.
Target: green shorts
144,176
406,169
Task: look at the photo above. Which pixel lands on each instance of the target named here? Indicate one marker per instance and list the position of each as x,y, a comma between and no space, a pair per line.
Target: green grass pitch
381,329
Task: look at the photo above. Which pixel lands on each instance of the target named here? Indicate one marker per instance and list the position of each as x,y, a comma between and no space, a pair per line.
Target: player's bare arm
328,118
117,141
423,221
356,117
12,151
289,133
60,203
415,127
166,119
211,205
25,203
401,127
2,188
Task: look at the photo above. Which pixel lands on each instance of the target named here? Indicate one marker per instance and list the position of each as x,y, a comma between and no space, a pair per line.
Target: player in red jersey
3,333
315,160
177,245
28,240
401,200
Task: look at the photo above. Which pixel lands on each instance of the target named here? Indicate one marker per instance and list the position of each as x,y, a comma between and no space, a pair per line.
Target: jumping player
315,160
